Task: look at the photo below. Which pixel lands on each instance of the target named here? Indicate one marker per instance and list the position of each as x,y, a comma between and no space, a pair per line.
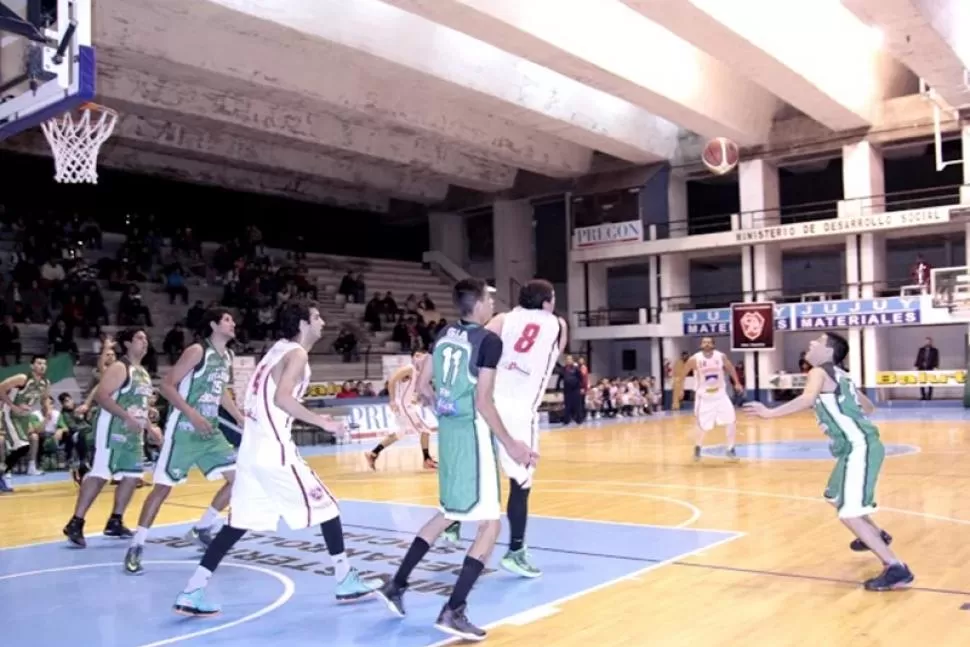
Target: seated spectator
400,335
367,390
346,345
348,287
36,304
347,391
60,339
391,311
174,343
373,311
10,341
425,304
361,288
175,285
411,305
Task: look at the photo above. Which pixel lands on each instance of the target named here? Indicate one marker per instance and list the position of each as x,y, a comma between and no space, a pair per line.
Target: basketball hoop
75,141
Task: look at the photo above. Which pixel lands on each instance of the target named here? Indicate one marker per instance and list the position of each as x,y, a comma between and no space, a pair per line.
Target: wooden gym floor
787,577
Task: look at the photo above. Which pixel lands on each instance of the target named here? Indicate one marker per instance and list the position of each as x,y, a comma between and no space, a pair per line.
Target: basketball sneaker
517,562
452,534
860,546
371,460
895,577
194,603
133,561
697,453
201,536
116,528
353,587
74,531
732,454
454,622
393,596
430,464
4,486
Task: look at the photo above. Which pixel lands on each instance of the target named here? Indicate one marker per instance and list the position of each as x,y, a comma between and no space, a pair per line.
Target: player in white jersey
712,404
533,336
272,479
405,406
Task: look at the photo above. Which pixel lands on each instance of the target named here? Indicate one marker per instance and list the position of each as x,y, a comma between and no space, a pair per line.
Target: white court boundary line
289,588
694,510
548,608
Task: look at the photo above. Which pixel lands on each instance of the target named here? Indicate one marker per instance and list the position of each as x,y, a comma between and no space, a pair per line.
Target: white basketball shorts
262,494
410,422
522,424
714,411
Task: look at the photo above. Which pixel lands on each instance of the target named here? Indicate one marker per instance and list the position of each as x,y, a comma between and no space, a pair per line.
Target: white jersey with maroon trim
709,374
404,381
530,348
266,437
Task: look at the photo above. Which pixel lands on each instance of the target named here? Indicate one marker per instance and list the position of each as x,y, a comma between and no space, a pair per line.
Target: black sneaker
732,454
897,576
74,531
133,561
456,623
393,596
860,546
116,528
697,453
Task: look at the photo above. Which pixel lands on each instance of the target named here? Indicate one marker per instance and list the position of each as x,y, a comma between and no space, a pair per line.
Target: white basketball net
75,143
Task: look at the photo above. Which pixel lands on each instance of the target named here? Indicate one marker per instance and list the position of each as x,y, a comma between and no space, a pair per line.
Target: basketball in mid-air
720,155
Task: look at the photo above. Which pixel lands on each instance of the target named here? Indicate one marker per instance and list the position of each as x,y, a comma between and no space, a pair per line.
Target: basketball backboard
47,64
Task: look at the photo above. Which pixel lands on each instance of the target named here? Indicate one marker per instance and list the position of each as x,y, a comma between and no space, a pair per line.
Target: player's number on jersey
452,358
527,339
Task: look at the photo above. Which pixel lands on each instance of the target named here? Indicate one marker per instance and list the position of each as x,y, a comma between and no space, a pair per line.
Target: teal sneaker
194,603
201,536
452,534
353,587
517,562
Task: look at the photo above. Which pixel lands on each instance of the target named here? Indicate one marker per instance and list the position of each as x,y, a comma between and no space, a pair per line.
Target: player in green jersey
843,412
195,388
26,408
460,381
122,395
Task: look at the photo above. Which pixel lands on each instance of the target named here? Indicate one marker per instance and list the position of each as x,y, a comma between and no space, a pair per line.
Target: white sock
32,466
341,566
209,518
141,534
199,579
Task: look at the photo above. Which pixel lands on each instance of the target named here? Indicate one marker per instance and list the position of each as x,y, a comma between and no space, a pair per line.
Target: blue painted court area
279,586
795,450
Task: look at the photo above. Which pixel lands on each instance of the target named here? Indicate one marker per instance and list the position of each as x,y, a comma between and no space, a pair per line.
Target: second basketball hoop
720,155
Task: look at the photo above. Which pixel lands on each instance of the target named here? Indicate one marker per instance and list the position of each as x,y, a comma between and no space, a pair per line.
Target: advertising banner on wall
920,379
813,315
610,233
753,326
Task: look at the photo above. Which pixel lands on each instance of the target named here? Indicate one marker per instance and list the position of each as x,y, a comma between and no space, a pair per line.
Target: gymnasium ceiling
385,104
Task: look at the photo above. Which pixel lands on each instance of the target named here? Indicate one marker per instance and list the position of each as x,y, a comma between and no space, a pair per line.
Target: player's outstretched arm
813,386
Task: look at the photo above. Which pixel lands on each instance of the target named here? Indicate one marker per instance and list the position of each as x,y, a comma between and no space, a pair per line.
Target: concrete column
761,266
447,235
515,249
965,137
863,185
677,205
